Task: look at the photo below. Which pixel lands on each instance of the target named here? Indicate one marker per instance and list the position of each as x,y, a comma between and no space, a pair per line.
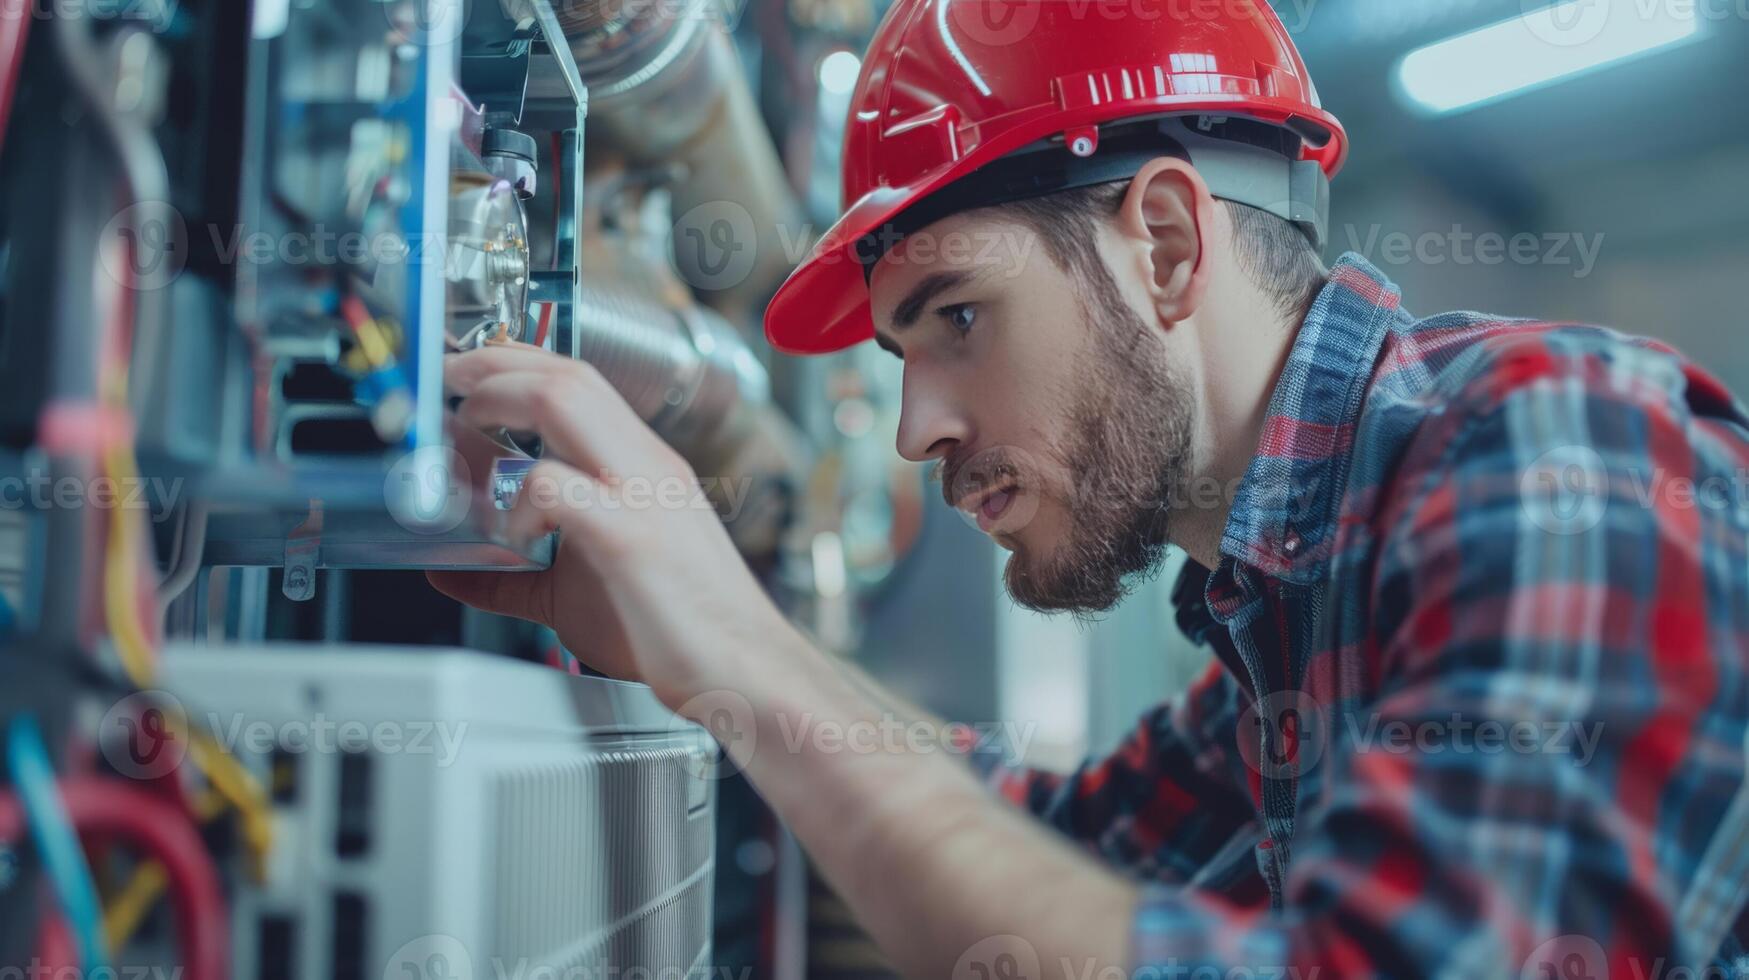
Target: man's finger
461,372
612,439
554,497
505,593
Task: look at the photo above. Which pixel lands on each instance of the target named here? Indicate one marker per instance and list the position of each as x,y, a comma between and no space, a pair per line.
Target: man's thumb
505,593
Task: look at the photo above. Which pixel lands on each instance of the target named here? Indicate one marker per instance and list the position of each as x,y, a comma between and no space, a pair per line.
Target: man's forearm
929,861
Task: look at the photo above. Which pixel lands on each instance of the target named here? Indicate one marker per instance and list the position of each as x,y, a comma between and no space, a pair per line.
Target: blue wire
33,773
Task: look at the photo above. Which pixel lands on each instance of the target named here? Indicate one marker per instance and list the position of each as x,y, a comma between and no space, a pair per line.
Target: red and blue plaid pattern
1482,616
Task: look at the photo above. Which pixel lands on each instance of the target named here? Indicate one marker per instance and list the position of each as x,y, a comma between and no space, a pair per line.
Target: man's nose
932,422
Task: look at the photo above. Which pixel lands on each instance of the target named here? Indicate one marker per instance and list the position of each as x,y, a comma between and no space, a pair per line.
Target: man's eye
960,317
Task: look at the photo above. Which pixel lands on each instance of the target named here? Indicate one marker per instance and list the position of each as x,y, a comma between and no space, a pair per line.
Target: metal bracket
302,549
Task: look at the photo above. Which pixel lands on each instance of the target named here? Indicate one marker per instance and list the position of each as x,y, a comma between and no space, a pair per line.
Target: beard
1126,447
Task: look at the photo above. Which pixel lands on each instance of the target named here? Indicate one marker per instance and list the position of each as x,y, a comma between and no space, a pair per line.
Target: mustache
963,476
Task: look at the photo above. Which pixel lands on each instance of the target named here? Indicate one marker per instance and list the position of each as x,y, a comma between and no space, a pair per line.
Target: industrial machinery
589,807
237,240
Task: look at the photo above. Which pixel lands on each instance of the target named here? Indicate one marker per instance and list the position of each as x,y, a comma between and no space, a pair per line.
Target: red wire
14,29
106,808
540,333
54,946
353,309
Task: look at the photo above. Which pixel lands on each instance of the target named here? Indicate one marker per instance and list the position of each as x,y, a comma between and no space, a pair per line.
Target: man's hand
646,584
937,869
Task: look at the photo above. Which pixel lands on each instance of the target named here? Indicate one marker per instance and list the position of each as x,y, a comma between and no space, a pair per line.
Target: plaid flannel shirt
1482,624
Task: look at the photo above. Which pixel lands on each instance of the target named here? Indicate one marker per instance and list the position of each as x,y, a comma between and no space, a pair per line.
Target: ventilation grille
598,863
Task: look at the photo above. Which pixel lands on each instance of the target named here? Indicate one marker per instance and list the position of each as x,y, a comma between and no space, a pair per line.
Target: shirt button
1292,544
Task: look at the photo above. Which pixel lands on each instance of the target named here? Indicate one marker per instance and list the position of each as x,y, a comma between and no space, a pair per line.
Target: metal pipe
666,88
682,368
687,372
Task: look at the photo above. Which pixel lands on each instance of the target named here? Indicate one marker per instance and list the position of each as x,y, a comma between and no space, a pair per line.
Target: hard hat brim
823,306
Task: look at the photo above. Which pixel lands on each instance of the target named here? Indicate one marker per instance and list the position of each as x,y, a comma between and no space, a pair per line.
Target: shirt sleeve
1160,804
1551,779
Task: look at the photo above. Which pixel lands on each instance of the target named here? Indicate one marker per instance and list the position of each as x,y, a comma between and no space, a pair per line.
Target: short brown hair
1274,253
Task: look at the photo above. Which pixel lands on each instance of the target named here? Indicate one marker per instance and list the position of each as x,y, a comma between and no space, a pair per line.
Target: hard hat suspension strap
1242,160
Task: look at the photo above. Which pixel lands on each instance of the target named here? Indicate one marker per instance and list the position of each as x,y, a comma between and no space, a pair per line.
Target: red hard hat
951,86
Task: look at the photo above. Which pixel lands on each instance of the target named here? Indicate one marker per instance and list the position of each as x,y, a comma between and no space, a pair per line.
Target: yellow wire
123,915
222,770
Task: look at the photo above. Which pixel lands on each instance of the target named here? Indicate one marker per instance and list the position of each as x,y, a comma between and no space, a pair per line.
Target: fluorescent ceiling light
1568,38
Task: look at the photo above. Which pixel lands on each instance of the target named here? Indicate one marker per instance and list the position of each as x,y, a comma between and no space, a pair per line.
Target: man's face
1057,415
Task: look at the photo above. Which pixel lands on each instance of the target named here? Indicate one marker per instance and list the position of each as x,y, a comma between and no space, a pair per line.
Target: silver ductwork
666,91
689,373
684,369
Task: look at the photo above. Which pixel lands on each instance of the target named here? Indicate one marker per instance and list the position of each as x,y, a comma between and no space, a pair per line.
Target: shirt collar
1283,519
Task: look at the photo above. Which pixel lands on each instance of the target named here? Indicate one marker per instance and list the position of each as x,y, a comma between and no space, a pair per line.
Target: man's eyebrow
911,307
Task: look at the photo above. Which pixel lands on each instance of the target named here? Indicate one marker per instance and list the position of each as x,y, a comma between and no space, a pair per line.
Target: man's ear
1169,213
